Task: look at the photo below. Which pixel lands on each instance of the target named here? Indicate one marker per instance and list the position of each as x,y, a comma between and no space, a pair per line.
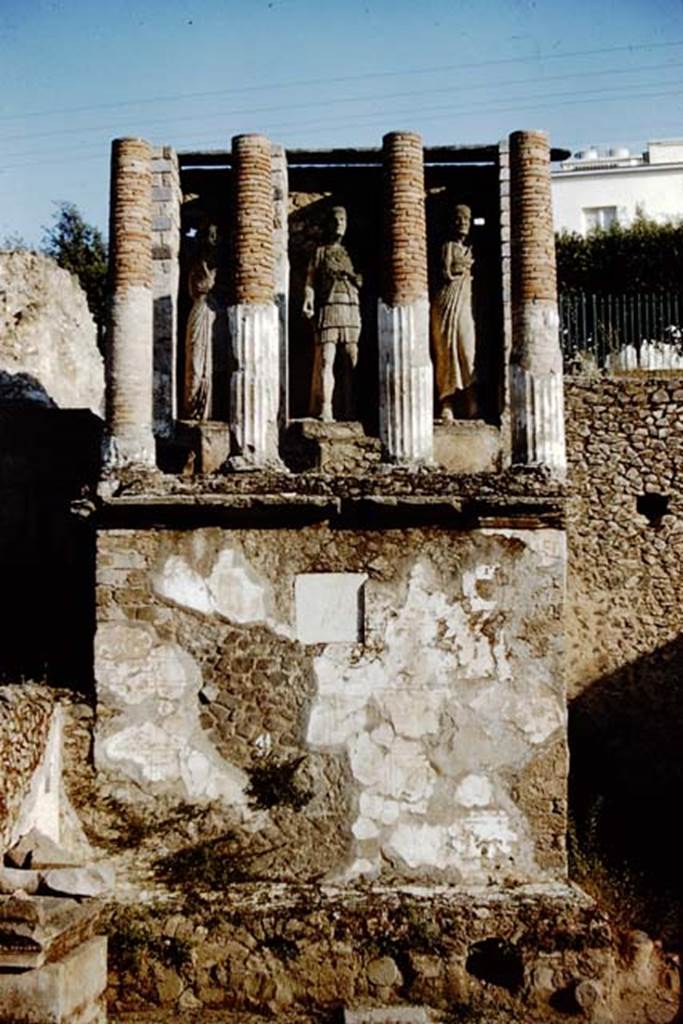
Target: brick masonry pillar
405,368
166,201
536,384
129,370
253,313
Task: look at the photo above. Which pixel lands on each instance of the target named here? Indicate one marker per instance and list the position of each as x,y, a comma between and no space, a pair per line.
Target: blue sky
75,74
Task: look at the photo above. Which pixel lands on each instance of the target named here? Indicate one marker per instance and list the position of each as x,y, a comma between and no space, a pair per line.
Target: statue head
462,220
337,223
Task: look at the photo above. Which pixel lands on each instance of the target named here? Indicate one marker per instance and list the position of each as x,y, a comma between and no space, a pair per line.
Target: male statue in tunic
452,323
199,331
331,300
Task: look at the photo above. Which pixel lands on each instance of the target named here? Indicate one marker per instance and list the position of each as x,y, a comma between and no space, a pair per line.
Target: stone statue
199,331
452,323
331,296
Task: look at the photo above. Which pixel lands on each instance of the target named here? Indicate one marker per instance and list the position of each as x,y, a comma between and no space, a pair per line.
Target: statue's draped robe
198,344
452,324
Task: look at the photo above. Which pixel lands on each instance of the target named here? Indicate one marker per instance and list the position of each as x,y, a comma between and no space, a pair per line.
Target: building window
601,217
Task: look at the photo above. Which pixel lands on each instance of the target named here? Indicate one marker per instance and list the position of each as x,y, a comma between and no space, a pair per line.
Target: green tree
79,247
645,257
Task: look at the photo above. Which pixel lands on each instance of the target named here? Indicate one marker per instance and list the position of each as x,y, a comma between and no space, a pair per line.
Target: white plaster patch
235,595
232,589
481,835
474,791
364,828
413,713
435,683
145,671
329,607
420,845
150,748
157,737
178,582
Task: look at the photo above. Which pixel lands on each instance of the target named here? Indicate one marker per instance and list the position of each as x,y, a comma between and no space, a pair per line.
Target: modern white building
594,189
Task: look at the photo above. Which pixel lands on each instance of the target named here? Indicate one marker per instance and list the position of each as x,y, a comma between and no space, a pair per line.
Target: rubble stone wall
625,617
624,442
386,701
26,714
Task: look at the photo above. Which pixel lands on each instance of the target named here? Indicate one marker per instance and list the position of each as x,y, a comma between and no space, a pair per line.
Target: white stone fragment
329,607
88,880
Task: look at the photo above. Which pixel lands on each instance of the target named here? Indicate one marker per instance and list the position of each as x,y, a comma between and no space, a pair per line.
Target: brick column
281,263
129,374
253,314
536,385
166,200
405,368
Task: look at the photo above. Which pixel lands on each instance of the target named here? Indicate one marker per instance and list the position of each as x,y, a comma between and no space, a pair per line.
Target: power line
344,100
307,83
370,119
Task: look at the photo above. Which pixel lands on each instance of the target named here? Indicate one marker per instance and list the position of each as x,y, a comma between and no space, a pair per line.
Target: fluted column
405,368
129,378
253,315
536,384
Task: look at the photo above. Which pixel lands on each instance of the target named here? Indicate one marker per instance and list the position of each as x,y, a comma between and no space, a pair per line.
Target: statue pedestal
207,443
467,446
335,448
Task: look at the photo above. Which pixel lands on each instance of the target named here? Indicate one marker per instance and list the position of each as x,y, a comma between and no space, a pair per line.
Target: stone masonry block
68,990
329,607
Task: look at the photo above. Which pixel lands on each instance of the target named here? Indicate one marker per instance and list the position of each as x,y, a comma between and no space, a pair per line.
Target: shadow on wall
47,457
626,783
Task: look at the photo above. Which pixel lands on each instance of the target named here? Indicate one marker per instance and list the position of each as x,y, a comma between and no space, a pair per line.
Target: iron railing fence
637,331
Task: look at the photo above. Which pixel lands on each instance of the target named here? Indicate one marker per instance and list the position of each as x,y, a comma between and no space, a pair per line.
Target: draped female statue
199,332
452,323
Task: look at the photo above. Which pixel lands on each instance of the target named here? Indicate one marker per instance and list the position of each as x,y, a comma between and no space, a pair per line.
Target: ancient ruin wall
387,701
48,339
625,617
625,442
